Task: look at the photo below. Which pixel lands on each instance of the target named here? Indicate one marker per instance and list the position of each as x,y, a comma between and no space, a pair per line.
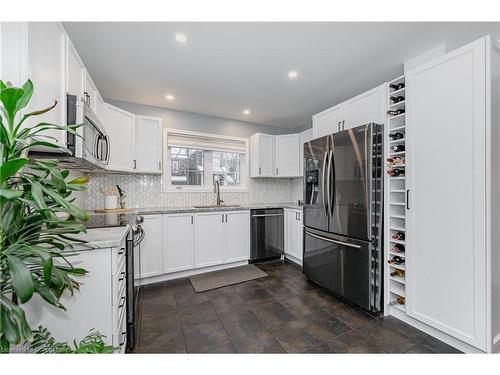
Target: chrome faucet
217,191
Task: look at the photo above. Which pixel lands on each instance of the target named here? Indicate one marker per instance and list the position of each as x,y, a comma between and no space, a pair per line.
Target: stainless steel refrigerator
343,210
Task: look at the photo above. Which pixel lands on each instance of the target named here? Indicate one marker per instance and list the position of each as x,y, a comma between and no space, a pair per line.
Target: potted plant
37,217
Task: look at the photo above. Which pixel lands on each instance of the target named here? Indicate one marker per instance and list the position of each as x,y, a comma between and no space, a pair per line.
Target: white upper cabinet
178,249
446,229
75,71
120,127
46,48
91,93
288,155
208,239
365,108
236,236
148,145
327,122
262,155
151,247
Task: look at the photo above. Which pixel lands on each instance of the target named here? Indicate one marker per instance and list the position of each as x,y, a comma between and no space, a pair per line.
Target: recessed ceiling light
246,111
181,37
169,97
292,74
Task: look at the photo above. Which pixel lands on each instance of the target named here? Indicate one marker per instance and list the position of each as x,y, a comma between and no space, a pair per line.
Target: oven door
339,264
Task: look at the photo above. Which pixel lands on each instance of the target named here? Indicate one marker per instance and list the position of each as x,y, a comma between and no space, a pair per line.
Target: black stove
109,220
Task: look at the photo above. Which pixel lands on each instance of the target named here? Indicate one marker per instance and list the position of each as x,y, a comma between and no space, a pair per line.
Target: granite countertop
177,210
100,238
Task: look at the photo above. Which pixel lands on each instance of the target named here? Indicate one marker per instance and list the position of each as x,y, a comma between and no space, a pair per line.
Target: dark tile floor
281,313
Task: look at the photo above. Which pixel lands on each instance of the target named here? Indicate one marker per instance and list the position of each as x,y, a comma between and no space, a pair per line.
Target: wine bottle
397,99
396,112
398,273
398,236
397,135
398,248
396,259
395,172
398,148
398,301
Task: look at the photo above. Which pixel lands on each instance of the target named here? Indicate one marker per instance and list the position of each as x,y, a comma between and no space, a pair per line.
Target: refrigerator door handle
323,182
333,241
328,190
332,188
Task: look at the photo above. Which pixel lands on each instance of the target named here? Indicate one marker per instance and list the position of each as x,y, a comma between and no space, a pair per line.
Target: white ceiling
224,68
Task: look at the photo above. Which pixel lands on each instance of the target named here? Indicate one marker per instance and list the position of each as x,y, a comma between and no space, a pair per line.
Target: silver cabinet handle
226,218
159,165
343,124
222,218
333,241
192,219
123,276
135,164
260,170
277,171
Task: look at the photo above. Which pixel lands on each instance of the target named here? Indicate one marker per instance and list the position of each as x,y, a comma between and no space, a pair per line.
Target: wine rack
395,195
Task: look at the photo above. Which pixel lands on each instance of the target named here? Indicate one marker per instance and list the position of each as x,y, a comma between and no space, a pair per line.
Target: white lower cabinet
293,234
178,247
188,241
151,247
236,236
208,239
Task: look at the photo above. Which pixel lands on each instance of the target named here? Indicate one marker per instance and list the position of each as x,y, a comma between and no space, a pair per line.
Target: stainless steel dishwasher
267,240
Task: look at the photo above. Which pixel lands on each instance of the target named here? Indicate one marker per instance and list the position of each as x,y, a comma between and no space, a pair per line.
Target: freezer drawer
341,265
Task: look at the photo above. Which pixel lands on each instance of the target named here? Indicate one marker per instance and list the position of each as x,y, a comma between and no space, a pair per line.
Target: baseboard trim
460,345
187,273
293,259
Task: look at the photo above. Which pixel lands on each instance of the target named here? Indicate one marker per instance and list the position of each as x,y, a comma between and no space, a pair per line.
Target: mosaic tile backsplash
145,191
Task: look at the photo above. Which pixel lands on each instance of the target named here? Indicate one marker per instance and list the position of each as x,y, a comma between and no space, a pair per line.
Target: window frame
167,187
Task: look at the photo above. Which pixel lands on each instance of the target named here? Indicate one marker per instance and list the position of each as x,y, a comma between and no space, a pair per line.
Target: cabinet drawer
118,257
120,335
119,283
120,306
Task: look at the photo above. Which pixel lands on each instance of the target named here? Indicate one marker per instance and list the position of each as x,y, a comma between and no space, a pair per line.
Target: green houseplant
37,217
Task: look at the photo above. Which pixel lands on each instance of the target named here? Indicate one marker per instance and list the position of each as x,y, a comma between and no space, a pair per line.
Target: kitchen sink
219,206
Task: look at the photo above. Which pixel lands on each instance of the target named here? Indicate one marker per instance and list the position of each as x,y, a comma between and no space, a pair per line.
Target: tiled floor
281,313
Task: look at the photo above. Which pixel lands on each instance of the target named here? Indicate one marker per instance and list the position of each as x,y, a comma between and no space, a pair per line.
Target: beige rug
230,276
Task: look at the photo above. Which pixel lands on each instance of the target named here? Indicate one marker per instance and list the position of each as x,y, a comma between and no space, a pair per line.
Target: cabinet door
92,92
291,235
75,71
300,235
237,236
149,136
327,122
365,108
120,126
446,256
151,262
305,137
46,71
99,107
287,155
262,155
208,239
178,239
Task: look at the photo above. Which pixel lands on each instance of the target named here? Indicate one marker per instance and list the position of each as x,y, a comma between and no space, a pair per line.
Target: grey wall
196,122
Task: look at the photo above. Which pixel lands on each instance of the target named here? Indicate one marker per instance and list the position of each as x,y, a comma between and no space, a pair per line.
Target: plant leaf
9,97
25,98
22,282
10,194
10,168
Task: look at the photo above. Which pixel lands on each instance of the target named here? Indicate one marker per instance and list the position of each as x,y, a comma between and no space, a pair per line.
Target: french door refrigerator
343,209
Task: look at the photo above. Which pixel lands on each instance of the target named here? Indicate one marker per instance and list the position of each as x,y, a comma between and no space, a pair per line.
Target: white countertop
100,238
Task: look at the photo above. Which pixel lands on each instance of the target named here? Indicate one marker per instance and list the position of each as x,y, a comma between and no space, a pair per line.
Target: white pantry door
446,250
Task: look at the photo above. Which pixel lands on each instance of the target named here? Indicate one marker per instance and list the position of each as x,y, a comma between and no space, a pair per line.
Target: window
195,161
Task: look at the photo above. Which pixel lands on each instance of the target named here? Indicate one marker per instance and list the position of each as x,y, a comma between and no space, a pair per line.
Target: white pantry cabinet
120,126
151,246
451,214
262,155
148,144
293,235
178,242
236,236
365,108
208,239
287,155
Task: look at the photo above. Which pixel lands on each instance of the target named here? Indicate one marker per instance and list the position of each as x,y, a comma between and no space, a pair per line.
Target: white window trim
167,188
